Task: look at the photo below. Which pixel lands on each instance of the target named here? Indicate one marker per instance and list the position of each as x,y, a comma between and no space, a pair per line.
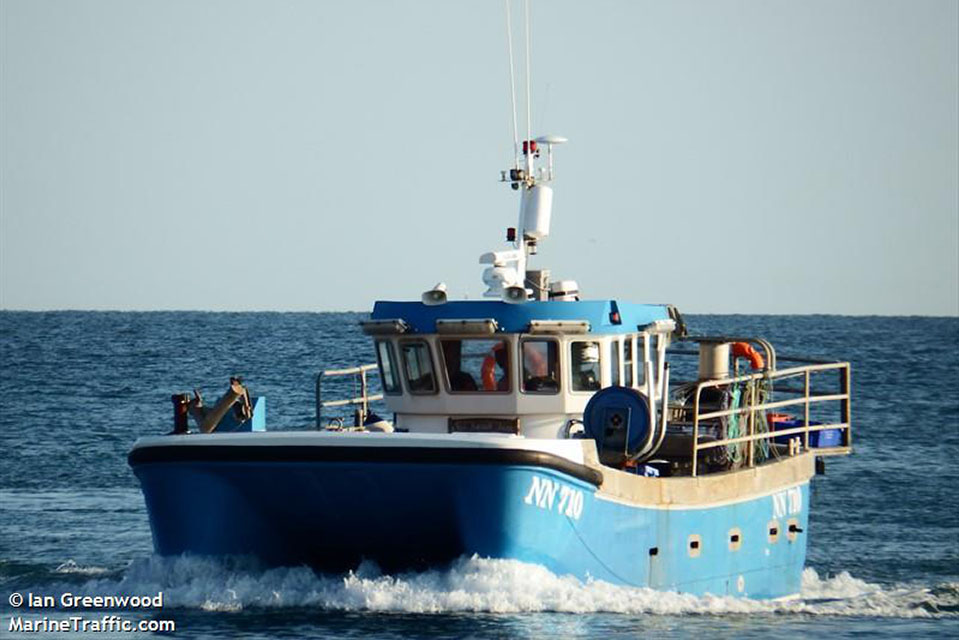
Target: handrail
677,351
772,405
343,403
779,432
363,400
751,407
765,345
349,370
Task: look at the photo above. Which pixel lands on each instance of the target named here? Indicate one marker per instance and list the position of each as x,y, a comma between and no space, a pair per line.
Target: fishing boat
534,426
599,438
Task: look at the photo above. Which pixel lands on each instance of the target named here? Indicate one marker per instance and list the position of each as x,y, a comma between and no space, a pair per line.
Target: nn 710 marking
543,493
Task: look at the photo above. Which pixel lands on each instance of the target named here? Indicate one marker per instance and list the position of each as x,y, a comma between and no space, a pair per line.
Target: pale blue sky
754,157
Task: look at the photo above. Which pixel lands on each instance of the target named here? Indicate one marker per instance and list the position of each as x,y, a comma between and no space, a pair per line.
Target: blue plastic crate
825,438
817,439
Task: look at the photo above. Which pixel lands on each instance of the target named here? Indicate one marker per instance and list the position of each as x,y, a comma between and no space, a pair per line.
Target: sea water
77,388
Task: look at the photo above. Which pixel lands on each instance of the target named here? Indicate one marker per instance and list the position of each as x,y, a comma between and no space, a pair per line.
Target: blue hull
333,515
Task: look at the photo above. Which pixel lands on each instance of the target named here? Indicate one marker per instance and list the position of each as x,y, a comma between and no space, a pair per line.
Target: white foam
497,586
71,567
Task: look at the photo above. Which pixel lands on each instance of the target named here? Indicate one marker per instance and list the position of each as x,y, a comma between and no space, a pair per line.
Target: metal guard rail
363,400
750,408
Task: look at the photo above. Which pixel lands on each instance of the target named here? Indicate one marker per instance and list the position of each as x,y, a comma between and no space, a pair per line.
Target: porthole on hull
735,539
694,545
772,531
793,529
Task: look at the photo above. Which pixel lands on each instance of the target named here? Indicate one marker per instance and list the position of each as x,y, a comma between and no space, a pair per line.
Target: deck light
384,327
468,326
558,326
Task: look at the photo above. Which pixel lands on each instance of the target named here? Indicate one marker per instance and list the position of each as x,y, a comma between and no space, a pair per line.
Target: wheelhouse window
628,362
584,365
614,363
476,365
419,367
642,355
387,361
540,366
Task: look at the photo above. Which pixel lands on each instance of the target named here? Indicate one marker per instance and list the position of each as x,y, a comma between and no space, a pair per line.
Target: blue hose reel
617,418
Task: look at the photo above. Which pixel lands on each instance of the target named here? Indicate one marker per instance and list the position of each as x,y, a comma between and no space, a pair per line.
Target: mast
506,277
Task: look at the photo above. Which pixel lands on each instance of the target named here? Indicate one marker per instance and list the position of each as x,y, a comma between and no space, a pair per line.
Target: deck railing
361,401
752,408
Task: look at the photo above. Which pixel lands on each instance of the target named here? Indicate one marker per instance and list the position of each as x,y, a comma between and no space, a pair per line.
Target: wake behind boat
533,425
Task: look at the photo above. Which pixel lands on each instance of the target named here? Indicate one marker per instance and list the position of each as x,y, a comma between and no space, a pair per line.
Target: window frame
406,370
391,356
629,372
522,362
643,343
479,391
599,381
615,362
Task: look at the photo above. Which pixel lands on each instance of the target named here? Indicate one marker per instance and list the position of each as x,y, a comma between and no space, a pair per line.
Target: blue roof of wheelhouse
515,318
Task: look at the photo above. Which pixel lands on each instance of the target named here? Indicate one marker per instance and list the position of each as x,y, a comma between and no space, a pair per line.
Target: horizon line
316,311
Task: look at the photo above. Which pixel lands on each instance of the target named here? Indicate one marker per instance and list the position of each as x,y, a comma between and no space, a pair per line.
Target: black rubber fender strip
418,455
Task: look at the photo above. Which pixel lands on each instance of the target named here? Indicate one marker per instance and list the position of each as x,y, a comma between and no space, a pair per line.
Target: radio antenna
512,82
529,109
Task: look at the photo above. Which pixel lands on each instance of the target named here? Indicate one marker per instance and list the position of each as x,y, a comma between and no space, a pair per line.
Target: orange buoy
746,350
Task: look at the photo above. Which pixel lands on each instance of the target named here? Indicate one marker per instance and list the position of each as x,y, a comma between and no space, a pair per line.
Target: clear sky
760,156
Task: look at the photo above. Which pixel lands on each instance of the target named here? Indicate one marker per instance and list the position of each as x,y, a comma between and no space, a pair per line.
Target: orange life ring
489,372
746,350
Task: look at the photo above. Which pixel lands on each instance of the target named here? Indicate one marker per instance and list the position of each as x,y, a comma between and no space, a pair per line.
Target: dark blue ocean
77,388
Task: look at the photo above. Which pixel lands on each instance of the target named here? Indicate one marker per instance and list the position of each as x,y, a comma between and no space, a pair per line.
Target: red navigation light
529,146
511,234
